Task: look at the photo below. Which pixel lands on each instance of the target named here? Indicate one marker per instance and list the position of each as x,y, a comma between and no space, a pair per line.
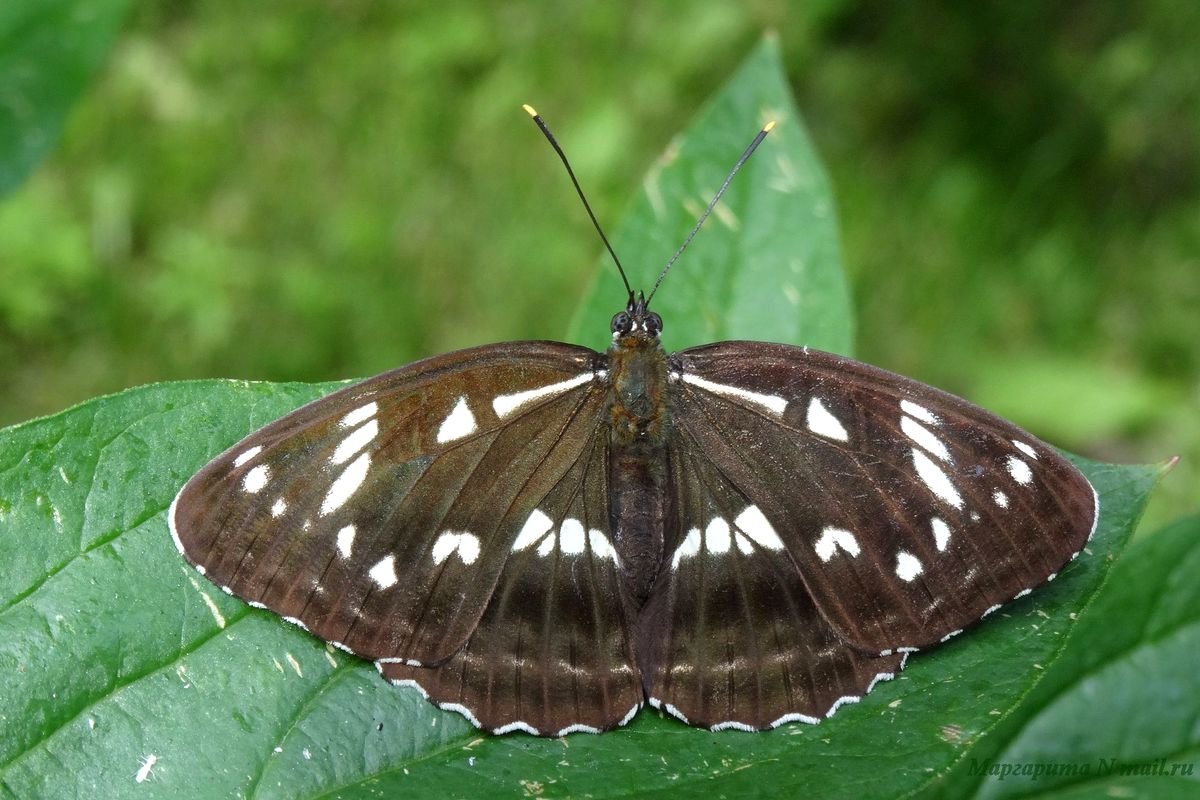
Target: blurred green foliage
309,191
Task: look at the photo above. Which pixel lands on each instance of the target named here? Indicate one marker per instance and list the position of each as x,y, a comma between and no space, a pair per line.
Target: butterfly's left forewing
382,516
907,513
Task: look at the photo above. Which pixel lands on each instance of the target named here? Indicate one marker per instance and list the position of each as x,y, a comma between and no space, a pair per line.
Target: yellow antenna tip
766,128
530,110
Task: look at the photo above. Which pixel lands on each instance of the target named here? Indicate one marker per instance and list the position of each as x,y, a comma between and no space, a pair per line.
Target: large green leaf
116,655
113,650
766,265
1117,713
48,52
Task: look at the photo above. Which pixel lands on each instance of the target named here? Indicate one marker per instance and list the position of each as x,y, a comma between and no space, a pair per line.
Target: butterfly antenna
578,190
695,229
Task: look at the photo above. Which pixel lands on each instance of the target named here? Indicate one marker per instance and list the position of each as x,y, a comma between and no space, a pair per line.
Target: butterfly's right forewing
381,517
909,513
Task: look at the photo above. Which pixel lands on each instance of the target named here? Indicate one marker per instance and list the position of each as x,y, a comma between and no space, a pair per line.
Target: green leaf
766,265
115,654
48,52
1116,715
114,650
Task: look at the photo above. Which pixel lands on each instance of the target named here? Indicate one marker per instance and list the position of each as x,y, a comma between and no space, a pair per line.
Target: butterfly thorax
637,368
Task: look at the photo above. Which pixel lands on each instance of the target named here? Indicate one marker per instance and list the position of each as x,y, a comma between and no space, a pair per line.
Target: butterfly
545,538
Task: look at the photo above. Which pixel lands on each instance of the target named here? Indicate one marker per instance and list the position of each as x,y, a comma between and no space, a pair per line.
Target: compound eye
622,323
653,323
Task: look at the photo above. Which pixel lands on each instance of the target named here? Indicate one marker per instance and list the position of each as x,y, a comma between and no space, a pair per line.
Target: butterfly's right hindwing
380,517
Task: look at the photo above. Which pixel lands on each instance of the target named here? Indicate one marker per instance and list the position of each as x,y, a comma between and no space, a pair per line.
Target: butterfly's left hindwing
907,513
381,517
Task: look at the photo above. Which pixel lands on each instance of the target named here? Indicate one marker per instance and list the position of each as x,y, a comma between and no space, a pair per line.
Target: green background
286,191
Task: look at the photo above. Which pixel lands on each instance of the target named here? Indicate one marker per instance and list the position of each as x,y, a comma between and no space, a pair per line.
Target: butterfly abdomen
638,466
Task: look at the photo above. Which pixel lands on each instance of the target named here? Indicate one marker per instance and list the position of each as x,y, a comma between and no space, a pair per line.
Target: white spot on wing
941,533
571,537
505,404
833,538
446,544
279,507
716,536
459,423
465,544
1019,470
771,402
823,423
756,527
384,573
1000,498
688,548
936,479
359,415
537,526
355,441
247,455
908,566
345,541
1026,449
256,479
601,547
924,437
347,484
468,548
920,412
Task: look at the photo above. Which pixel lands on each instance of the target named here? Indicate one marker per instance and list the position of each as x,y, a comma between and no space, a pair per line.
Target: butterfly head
636,320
